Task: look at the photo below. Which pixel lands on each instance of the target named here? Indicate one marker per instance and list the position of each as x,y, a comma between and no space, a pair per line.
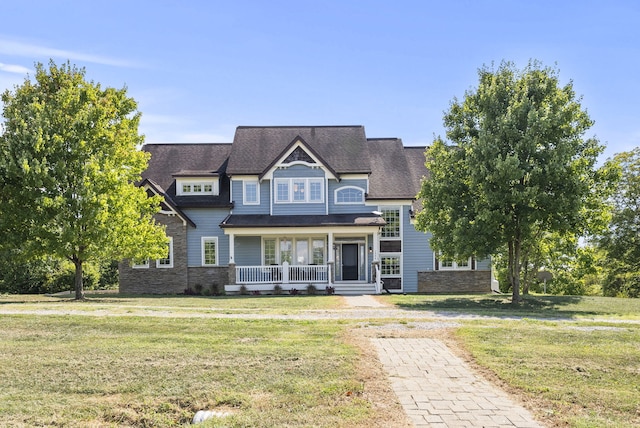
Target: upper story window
349,195
188,187
251,193
299,190
392,217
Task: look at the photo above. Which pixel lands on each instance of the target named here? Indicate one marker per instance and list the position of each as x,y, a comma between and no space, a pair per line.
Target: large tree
515,164
69,160
622,240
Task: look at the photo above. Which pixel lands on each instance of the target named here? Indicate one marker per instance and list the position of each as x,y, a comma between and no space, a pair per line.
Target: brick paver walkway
437,389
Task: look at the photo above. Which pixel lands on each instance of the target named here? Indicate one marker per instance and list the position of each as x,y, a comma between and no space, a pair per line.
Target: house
293,206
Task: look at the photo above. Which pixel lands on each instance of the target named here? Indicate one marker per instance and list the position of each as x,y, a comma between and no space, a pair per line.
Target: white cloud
9,47
12,68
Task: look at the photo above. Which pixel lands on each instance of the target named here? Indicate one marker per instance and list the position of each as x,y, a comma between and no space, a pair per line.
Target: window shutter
436,265
473,263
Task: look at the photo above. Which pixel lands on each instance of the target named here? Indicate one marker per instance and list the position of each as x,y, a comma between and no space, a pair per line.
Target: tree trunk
516,272
526,276
79,286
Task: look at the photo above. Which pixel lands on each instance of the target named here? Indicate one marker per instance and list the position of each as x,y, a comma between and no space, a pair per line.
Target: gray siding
347,208
484,264
416,253
207,224
237,197
299,171
248,250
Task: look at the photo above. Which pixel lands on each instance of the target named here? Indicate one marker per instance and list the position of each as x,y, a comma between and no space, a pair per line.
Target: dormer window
187,187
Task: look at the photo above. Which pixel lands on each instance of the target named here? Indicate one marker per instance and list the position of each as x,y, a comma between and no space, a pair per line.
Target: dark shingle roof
390,174
168,160
395,171
343,148
172,160
415,161
260,220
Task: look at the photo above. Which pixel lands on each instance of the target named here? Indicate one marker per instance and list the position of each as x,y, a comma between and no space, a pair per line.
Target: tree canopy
69,160
515,163
621,241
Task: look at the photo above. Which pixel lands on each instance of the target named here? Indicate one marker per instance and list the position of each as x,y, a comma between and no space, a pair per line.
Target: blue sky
198,69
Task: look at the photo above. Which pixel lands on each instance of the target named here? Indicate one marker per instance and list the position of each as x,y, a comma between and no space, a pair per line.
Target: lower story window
167,262
209,251
390,265
300,251
140,264
450,264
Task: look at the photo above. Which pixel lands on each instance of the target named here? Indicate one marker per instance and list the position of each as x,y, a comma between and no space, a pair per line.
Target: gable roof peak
340,148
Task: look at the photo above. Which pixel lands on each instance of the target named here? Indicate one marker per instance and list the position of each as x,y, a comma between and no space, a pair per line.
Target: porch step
355,289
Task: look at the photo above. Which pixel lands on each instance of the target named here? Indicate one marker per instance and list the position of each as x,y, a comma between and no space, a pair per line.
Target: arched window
349,195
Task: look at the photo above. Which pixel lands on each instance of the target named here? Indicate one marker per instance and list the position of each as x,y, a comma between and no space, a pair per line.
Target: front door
349,262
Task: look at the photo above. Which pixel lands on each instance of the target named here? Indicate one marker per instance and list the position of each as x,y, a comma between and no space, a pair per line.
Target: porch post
232,248
330,259
376,246
330,247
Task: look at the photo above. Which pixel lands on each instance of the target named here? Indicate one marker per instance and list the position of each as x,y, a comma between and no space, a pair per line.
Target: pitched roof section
169,160
168,203
416,163
392,173
189,160
343,148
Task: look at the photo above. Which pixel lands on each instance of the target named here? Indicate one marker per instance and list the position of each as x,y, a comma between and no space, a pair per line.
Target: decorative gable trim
168,206
298,152
299,155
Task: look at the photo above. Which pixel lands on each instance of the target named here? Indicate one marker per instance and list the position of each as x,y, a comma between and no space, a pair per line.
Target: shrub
243,290
311,289
330,290
277,289
294,292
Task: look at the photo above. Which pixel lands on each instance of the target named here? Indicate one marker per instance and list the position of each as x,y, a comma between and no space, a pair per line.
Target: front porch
289,279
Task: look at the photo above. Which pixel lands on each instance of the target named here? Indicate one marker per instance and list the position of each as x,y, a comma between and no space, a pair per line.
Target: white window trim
205,239
454,265
400,222
214,183
144,265
170,265
307,186
244,192
391,255
294,248
335,195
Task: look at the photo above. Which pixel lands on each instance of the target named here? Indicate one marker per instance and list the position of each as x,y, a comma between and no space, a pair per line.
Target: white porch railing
258,274
284,274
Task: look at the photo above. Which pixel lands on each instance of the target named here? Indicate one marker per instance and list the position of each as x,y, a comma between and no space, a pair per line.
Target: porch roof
331,220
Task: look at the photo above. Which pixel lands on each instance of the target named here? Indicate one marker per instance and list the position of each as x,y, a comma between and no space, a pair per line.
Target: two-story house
294,206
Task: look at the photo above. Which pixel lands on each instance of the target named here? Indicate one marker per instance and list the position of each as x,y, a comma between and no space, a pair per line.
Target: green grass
581,374
576,358
535,306
154,371
172,305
